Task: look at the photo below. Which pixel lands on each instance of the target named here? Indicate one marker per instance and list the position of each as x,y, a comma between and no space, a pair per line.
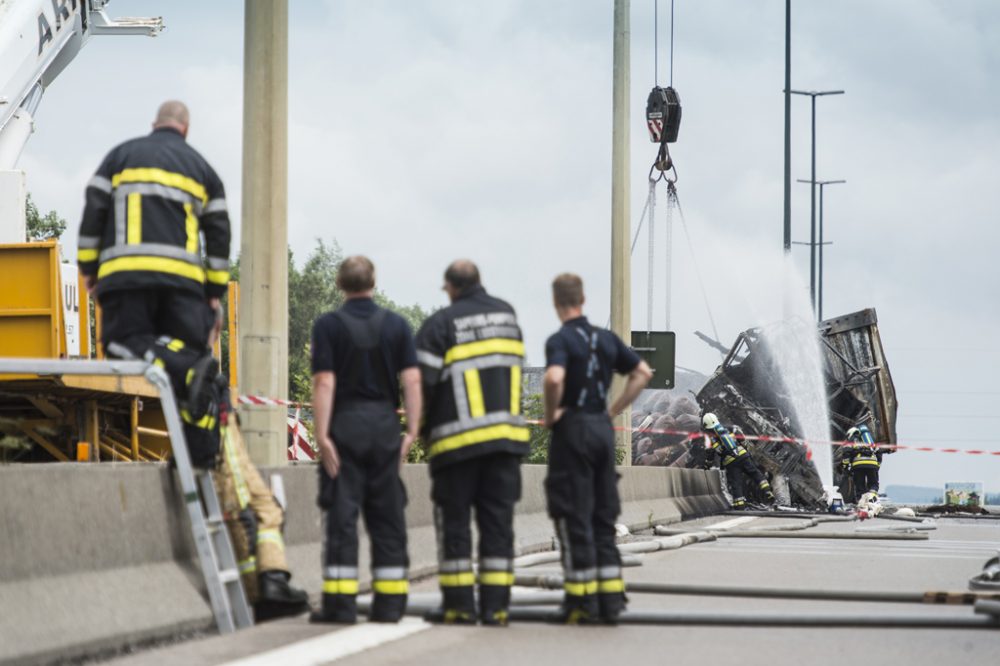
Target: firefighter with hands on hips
361,353
471,354
154,249
581,486
735,461
866,459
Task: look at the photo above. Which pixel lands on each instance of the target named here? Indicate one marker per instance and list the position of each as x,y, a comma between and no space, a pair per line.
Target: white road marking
726,524
335,645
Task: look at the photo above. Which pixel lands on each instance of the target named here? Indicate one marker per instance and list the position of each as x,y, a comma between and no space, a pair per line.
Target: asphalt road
955,551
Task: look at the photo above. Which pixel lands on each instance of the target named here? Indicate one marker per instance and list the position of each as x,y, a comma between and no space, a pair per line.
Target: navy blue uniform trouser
865,480
491,484
368,441
582,493
173,325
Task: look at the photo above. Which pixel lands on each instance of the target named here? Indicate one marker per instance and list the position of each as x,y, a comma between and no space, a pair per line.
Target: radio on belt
663,115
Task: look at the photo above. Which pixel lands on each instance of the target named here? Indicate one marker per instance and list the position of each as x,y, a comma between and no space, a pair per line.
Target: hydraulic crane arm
38,38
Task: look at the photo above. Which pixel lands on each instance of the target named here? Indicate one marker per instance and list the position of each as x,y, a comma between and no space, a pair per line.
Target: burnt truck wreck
750,390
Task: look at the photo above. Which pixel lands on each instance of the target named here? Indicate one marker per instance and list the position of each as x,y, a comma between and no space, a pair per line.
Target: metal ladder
211,539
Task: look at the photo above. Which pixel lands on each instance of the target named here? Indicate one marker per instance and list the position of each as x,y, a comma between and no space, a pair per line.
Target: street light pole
788,128
812,209
819,246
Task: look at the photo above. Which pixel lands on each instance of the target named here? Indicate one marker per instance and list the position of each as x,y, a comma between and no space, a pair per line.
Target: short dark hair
462,275
356,274
567,290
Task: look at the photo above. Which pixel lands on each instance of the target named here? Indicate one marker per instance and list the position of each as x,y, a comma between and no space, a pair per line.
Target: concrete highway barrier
94,558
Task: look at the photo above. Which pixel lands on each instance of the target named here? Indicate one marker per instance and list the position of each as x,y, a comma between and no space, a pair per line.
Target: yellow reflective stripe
580,589
218,277
515,389
480,435
865,463
191,228
270,536
175,345
391,586
133,234
464,579
155,264
474,392
484,347
496,578
229,450
248,565
611,585
207,422
159,363
340,586
178,181
87,255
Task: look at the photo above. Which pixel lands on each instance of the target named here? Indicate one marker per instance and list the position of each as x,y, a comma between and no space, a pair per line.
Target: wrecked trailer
748,390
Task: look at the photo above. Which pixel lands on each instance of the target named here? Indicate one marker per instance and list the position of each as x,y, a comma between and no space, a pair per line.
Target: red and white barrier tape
687,434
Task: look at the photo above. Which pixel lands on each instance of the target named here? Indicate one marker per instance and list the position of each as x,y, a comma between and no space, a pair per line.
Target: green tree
42,227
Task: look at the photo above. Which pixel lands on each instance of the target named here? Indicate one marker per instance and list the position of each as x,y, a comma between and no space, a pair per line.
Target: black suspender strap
366,335
595,381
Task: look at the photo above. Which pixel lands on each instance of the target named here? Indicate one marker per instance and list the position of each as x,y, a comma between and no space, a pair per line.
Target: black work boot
449,616
277,598
200,384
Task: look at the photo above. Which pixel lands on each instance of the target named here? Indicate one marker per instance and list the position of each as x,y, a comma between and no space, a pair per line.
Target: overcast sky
424,131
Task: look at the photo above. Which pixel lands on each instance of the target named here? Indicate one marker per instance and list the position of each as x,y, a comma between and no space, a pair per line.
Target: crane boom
38,39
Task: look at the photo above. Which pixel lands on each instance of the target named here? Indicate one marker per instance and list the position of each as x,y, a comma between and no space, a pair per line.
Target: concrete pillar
13,195
263,363
621,270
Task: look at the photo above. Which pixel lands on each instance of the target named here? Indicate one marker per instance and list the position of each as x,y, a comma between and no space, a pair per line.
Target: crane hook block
663,115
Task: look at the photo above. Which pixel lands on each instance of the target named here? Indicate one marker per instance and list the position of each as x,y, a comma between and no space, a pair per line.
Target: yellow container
30,306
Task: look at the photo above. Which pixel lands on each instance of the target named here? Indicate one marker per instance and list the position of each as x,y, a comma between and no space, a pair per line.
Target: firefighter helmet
710,421
854,435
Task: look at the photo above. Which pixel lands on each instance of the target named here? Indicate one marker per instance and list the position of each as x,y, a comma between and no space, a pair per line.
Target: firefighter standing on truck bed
581,487
865,459
735,461
141,251
361,354
471,354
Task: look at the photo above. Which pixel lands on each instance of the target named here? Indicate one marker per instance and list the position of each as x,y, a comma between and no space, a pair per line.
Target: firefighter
148,207
471,354
581,486
735,461
361,353
255,521
865,460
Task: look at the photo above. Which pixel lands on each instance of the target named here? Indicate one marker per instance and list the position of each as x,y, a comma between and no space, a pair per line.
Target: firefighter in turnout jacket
362,355
470,355
154,248
581,486
865,460
736,462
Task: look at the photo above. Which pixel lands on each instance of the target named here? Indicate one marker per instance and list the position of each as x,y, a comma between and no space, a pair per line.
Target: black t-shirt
333,351
570,347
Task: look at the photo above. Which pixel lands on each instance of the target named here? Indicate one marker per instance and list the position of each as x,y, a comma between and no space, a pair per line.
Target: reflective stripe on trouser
492,484
253,516
582,495
368,440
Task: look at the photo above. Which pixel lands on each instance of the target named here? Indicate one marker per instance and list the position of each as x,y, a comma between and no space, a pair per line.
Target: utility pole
621,273
263,306
788,127
812,216
821,243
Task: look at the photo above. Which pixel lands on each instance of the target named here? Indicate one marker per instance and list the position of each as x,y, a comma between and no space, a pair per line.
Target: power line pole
788,127
812,215
819,245
263,359
621,273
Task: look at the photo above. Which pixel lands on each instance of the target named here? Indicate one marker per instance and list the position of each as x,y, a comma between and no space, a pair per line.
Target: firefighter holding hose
735,461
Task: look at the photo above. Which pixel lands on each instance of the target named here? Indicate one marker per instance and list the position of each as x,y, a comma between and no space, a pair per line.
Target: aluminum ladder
215,551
